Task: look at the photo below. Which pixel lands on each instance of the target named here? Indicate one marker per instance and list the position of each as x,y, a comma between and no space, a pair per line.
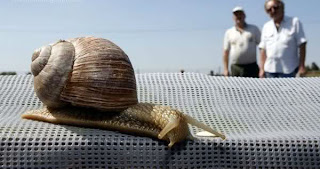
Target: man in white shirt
240,43
283,44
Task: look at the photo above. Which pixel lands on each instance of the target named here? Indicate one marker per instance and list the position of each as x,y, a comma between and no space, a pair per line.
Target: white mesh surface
269,123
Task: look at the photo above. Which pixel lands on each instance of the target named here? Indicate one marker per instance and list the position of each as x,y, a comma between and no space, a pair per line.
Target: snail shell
86,72
90,82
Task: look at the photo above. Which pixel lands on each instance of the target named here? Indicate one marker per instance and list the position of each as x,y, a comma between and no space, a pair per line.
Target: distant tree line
8,73
13,73
312,67
212,73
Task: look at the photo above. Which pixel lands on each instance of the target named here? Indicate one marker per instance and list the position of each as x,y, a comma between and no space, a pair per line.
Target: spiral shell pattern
86,72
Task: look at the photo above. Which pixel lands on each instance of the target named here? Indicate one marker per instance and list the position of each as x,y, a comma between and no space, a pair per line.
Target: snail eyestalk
196,123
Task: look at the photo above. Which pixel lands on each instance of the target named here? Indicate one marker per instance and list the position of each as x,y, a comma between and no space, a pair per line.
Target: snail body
147,119
90,82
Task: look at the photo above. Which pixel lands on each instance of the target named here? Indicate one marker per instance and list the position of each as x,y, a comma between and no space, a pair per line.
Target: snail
90,82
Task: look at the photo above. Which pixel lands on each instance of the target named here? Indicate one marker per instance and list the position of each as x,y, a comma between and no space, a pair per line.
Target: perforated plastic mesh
269,123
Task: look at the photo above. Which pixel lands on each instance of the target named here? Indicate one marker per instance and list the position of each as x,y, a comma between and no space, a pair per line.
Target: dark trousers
245,70
281,75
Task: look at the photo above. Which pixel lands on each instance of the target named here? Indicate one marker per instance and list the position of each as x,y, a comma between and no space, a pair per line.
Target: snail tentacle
196,123
173,123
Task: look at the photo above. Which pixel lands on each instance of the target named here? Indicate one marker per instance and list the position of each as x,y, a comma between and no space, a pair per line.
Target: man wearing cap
283,44
240,43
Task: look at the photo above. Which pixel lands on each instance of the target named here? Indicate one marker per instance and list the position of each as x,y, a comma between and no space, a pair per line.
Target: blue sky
157,35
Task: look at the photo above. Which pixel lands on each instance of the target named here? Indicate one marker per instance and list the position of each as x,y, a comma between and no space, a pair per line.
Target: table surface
269,123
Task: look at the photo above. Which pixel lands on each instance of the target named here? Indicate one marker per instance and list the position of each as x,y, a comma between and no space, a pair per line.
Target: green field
313,74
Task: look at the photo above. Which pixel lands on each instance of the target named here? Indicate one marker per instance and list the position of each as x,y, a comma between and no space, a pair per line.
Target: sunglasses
275,8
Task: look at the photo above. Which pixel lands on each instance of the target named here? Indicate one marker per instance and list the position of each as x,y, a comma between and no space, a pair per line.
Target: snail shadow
71,146
194,153
118,149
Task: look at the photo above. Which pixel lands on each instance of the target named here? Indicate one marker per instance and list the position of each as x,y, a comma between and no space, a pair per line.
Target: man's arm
226,49
225,62
302,53
258,36
263,57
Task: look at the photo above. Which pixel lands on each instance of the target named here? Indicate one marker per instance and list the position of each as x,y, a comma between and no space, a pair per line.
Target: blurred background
158,36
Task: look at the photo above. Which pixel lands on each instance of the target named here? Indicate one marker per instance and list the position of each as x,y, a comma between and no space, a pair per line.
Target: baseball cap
237,8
